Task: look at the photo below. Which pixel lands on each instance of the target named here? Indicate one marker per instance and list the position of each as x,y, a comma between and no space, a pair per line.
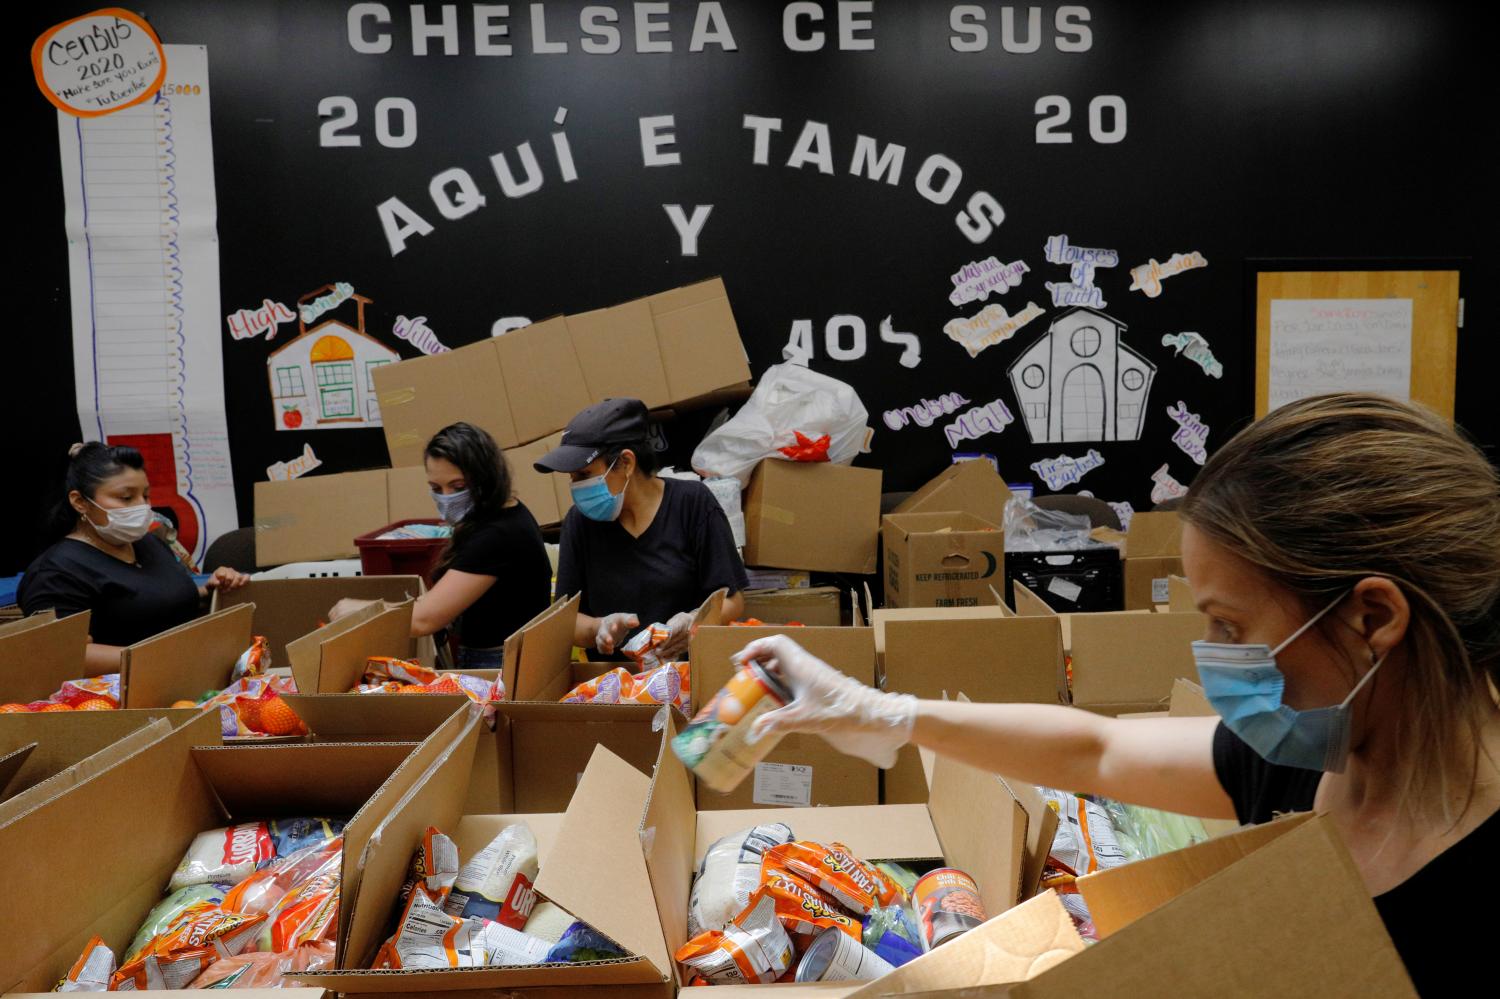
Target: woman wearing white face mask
107,561
1346,551
639,549
494,576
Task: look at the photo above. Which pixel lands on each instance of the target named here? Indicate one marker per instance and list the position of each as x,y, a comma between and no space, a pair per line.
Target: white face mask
127,524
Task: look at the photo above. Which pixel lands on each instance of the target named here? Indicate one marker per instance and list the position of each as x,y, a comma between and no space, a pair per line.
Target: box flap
345,652
420,396
1154,534
602,832
287,609
544,383
1014,946
971,486
668,836
872,832
318,517
617,350
11,763
38,653
1121,657
539,652
1028,604
1180,595
698,339
817,606
373,718
318,778
551,745
1041,829
305,655
182,663
983,830
1189,701
85,769
819,517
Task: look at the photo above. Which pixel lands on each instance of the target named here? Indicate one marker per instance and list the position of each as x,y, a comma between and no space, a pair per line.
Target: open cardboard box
972,487
142,812
317,517
997,831
814,606
180,664
815,516
666,349
802,769
24,800
589,846
943,559
287,609
1153,554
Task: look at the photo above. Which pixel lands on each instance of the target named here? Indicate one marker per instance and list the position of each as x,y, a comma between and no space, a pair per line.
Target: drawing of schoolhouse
322,379
1080,382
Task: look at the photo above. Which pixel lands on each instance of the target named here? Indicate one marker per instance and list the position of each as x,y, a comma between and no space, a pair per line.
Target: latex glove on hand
679,637
612,631
853,718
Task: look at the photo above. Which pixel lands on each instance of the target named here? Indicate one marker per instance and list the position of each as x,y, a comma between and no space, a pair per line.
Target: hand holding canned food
853,718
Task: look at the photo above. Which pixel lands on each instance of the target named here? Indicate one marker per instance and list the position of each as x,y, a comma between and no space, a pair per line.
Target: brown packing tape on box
971,487
288,609
39,653
182,663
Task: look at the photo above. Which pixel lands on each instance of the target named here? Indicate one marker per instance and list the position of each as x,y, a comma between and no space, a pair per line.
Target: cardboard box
814,606
1179,595
971,487
545,494
1153,553
59,739
802,769
317,517
940,559
667,349
820,517
39,653
22,801
983,652
182,663
287,609
143,811
972,821
599,832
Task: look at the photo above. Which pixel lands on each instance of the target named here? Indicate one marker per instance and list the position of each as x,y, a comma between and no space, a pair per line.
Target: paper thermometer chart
144,267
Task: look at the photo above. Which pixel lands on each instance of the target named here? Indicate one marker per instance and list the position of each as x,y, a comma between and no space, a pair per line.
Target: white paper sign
1160,590
1065,588
783,784
1339,345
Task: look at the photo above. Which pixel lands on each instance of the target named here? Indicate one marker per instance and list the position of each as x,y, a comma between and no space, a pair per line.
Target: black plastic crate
1087,579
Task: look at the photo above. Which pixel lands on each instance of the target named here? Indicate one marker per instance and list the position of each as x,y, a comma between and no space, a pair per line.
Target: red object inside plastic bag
807,448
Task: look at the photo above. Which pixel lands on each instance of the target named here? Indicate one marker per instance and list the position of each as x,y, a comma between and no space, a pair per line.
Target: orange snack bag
669,683
752,950
804,910
92,971
834,870
195,940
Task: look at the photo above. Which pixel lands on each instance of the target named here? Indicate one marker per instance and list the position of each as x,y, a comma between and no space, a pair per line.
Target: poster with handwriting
1323,345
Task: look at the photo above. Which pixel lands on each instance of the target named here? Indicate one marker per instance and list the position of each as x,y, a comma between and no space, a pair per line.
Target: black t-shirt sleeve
488,549
719,564
1260,790
48,586
570,562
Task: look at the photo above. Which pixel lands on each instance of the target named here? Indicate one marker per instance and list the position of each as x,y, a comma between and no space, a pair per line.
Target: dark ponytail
88,465
479,458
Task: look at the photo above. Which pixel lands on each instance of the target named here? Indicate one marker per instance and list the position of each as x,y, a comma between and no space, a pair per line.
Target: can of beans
947,903
716,743
835,956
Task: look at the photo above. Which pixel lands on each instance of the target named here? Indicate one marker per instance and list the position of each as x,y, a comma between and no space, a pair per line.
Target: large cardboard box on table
985,653
1153,554
317,517
972,487
132,822
817,516
814,606
287,609
802,770
584,806
545,494
665,349
941,559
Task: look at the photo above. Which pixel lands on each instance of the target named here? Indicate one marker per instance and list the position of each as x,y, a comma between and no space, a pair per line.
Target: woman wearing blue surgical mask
107,561
1345,551
639,549
494,575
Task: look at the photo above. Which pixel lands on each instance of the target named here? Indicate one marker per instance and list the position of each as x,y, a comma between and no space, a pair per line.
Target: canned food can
947,903
835,956
716,743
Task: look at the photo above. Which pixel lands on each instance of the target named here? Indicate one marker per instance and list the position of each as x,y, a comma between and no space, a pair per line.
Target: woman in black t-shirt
494,575
1345,550
107,562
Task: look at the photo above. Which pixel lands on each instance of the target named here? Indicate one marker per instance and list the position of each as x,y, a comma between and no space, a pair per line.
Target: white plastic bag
789,400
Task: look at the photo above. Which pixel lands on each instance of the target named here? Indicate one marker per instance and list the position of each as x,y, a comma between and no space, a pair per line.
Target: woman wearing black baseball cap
639,549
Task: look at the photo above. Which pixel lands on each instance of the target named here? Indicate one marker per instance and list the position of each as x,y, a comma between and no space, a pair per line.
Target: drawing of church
1080,382
322,379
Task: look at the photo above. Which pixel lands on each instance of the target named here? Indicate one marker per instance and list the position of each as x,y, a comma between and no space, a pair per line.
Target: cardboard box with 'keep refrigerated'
941,559
816,516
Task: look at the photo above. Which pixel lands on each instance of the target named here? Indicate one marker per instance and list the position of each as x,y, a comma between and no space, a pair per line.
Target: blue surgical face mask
594,500
1245,687
454,506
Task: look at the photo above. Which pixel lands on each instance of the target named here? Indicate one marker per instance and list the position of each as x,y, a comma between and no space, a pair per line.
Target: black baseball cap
604,425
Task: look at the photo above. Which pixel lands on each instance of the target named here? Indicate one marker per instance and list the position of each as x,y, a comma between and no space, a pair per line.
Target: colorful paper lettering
975,281
991,325
1192,433
1166,487
1065,470
1149,276
1194,348
981,420
926,412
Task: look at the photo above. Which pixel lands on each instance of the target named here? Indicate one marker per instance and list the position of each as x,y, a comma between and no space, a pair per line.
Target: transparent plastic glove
853,718
612,629
680,635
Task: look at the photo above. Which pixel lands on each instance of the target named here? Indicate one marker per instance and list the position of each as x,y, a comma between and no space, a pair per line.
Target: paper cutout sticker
322,380
975,281
285,471
991,325
1192,433
417,333
981,420
1079,290
1149,276
1194,348
99,63
926,412
1166,487
1064,470
246,324
1079,381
